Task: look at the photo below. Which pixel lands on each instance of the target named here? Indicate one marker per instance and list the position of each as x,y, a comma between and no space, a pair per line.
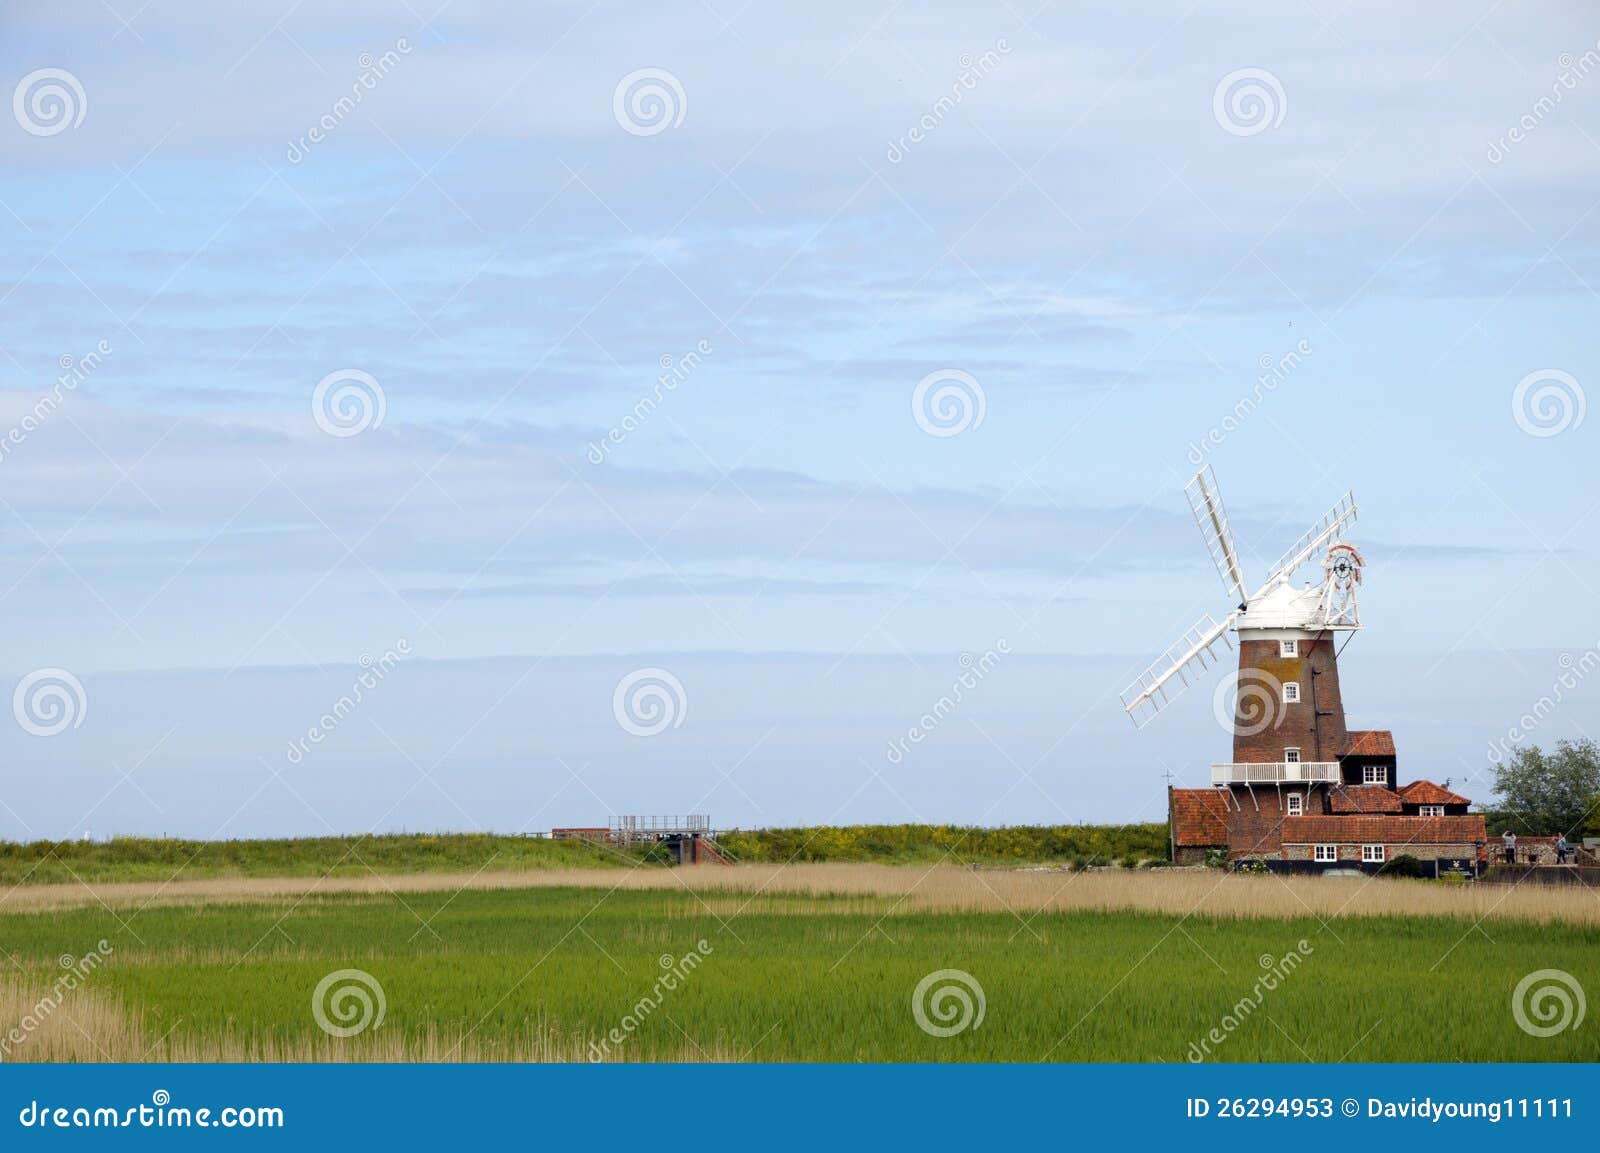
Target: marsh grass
814,963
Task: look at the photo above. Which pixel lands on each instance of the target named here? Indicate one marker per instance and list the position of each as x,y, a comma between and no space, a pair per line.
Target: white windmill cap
1285,607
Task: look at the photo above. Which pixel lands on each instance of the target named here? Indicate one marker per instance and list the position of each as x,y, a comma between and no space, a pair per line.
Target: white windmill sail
1168,675
1205,501
1316,538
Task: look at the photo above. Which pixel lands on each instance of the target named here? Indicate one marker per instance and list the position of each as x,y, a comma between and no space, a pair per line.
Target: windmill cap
1285,607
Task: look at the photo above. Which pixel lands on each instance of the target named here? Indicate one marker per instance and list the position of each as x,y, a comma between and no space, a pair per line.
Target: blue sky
1083,224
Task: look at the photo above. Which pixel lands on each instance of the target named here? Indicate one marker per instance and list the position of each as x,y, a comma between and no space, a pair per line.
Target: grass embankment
912,844
152,859
787,976
159,859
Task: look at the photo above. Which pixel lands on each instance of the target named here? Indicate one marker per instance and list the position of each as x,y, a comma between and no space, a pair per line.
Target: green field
533,972
157,859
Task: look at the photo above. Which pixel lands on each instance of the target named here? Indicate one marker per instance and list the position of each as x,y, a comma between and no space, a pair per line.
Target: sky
660,410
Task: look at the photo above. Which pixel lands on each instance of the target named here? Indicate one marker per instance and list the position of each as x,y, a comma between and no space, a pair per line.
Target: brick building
1303,792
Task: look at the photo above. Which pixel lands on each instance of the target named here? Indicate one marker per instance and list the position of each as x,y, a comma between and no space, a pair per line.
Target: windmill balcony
1276,773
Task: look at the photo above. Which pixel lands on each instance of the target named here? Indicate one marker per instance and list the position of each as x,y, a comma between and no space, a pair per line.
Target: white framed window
1325,852
1297,804
1431,810
1291,756
1291,692
1372,854
1288,648
1374,775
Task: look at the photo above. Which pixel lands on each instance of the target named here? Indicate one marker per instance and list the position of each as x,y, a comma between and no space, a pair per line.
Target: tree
1544,794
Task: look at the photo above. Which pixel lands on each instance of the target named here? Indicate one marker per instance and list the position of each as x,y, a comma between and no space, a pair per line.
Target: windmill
1285,637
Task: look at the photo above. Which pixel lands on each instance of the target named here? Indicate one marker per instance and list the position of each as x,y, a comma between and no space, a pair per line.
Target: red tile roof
1384,830
1428,793
1199,817
1364,799
1370,743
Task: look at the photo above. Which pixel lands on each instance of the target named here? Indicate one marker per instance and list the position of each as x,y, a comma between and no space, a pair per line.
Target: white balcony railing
1280,773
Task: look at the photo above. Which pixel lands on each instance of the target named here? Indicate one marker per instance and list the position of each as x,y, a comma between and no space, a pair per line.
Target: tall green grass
798,978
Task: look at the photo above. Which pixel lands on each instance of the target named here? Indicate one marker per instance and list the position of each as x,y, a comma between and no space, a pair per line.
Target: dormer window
1430,810
1374,775
1291,692
1288,648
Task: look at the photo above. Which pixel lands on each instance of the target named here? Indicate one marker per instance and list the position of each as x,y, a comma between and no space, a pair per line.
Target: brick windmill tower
1288,710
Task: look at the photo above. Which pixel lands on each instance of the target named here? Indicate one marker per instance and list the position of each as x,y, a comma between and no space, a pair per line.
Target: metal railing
632,828
1276,773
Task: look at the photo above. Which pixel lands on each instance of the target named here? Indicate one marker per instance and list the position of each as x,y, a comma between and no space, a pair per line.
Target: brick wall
1352,853
1255,823
1262,737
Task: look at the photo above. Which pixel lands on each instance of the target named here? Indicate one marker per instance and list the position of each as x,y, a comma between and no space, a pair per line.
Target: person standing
1510,842
1561,849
